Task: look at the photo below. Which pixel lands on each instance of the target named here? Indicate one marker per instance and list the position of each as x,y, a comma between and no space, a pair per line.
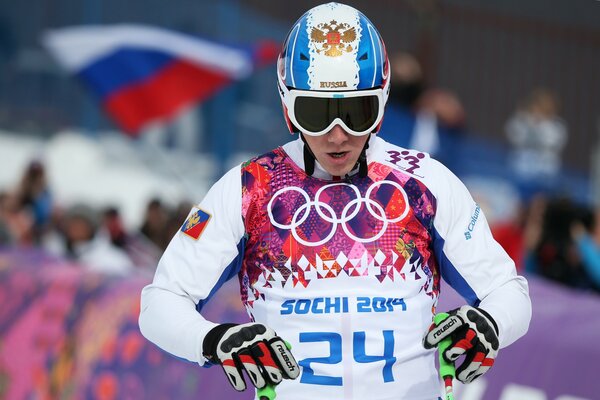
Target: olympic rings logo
328,214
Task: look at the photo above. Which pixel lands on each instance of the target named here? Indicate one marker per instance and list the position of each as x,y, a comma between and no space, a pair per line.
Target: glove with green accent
474,333
254,348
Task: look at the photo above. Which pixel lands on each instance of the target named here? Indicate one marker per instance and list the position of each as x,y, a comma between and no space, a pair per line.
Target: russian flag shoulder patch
196,222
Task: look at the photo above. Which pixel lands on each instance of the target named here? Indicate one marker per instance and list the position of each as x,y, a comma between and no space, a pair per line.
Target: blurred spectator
143,253
15,222
445,106
520,235
406,88
510,235
407,80
84,240
533,226
113,224
155,224
588,244
440,124
33,194
556,256
538,136
5,234
178,217
595,169
417,117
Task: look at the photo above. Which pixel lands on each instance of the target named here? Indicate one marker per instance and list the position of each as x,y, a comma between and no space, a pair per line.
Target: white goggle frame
289,98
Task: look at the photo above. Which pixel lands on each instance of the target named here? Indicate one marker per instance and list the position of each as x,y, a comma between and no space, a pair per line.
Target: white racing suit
348,271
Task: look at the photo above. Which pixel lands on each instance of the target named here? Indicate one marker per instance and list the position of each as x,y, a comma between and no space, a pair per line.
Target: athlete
339,240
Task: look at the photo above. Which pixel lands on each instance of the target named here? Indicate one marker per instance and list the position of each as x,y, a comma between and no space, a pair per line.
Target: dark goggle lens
314,114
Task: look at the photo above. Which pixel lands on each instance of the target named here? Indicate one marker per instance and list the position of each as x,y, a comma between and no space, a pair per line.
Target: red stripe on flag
161,96
196,230
267,52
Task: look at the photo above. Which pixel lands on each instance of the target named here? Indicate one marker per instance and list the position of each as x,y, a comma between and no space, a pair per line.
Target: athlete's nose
337,135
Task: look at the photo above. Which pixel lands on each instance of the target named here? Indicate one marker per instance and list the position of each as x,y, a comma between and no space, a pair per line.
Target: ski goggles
315,113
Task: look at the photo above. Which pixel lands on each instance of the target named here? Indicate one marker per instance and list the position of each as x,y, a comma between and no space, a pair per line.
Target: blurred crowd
549,236
95,238
546,234
555,238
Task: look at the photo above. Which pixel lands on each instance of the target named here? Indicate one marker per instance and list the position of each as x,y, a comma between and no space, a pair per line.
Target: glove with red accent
254,348
474,333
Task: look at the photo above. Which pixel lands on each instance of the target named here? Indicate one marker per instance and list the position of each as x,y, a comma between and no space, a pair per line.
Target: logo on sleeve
195,224
406,160
472,223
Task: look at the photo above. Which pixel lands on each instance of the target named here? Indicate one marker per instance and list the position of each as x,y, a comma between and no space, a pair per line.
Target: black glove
474,333
252,347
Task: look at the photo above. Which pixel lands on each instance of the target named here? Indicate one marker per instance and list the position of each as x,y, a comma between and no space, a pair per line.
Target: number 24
335,356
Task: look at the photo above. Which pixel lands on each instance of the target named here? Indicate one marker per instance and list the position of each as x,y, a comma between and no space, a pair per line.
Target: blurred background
506,94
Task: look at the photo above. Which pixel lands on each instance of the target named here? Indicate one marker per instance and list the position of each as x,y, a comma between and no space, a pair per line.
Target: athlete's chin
338,164
338,170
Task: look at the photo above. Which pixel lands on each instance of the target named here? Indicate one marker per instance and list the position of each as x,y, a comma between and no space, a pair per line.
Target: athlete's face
337,151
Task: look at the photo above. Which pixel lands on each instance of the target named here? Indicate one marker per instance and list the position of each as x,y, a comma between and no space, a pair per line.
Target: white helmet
333,69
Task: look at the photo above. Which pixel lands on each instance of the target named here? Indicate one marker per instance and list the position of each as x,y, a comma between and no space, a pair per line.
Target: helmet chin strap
309,160
363,168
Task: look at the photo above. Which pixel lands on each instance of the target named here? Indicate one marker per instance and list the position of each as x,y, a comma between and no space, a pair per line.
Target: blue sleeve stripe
232,270
450,274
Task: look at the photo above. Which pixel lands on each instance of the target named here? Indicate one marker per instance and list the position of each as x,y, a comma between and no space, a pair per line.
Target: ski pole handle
268,392
447,369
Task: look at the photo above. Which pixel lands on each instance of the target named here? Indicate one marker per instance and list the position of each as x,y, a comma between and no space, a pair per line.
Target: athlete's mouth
338,154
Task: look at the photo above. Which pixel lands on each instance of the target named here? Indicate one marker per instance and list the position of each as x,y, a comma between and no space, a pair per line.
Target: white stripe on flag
78,47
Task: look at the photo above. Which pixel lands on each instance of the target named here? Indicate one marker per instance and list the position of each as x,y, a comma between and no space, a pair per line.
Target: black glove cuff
211,340
490,318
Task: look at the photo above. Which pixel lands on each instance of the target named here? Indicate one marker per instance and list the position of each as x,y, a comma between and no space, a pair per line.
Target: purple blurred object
70,334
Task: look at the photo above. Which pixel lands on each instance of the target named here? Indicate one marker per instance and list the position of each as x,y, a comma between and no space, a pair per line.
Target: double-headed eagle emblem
332,39
192,220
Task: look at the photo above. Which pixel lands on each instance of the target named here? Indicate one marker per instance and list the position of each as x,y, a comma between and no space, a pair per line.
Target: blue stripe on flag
122,68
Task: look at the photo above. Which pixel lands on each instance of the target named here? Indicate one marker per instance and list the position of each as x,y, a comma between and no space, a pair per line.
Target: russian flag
195,224
144,74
